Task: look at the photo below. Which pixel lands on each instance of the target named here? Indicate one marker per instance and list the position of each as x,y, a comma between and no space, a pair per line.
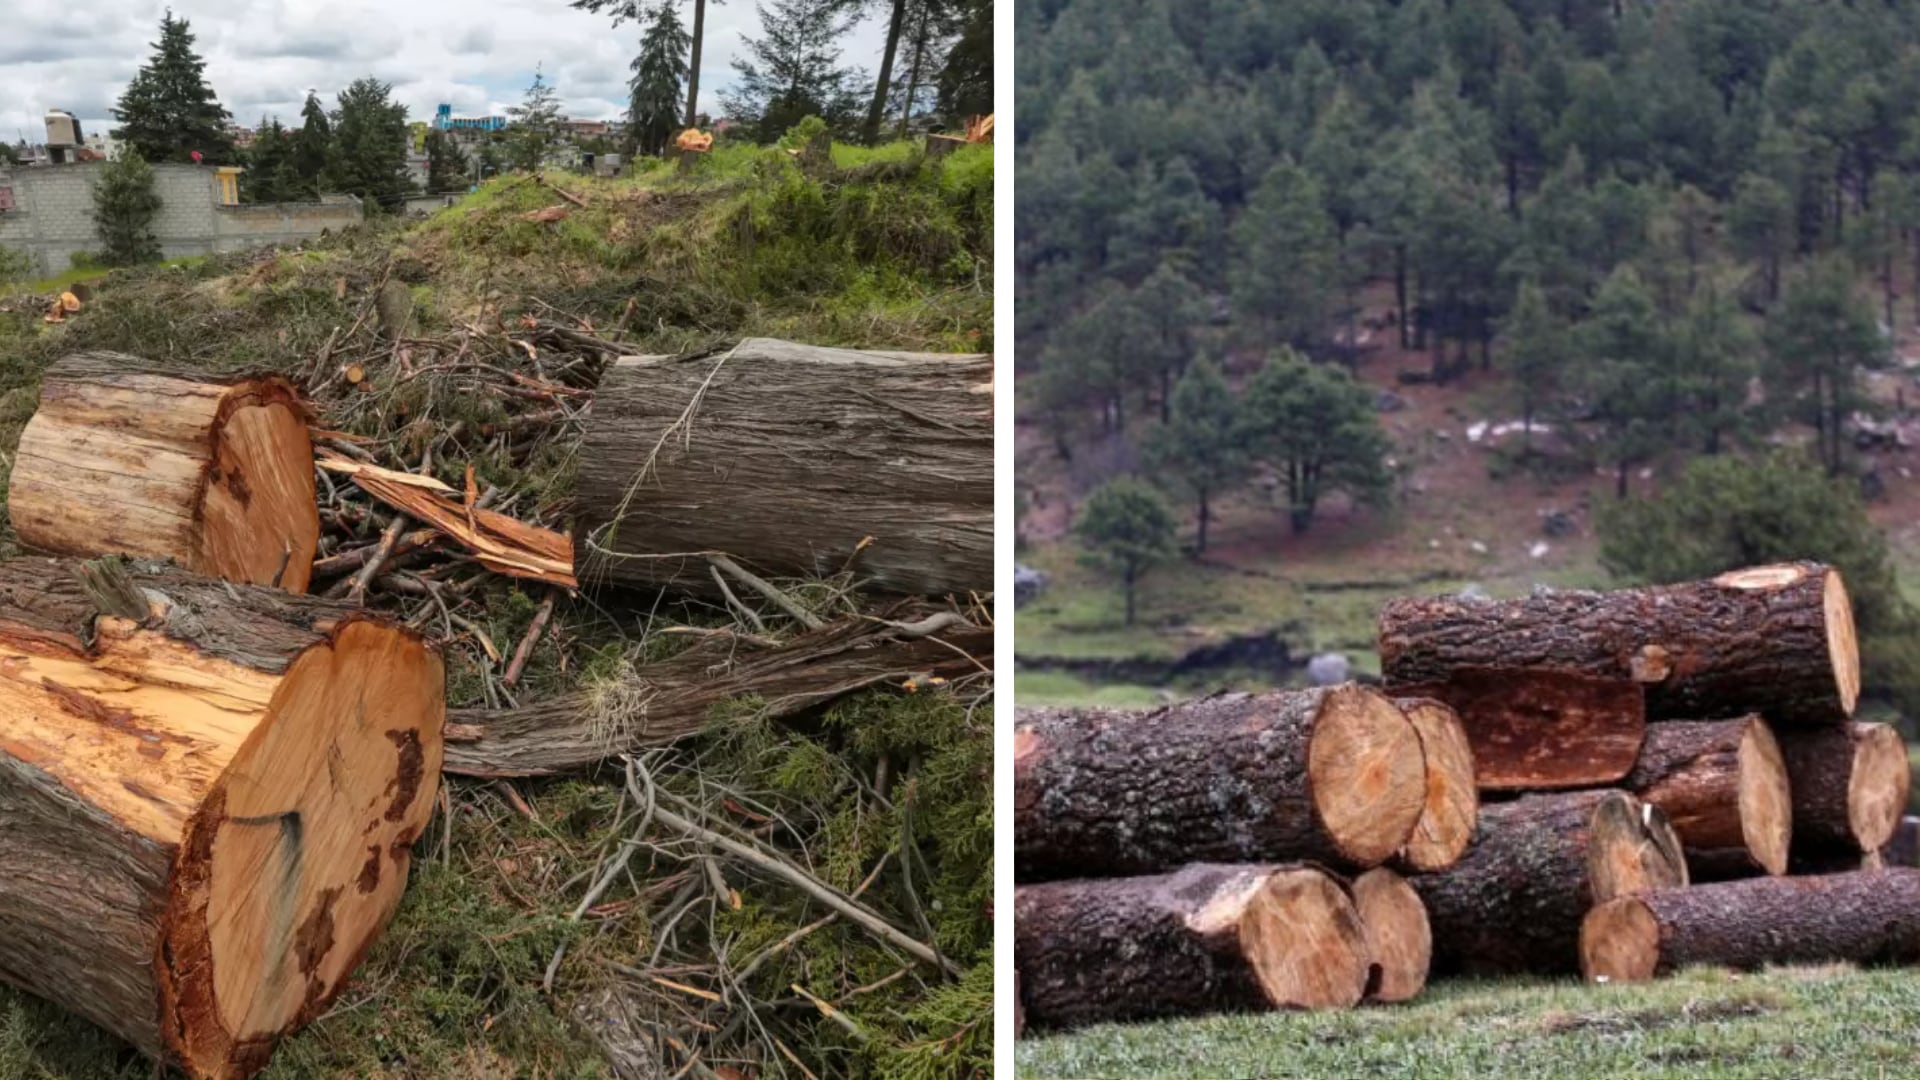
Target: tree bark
1776,640
1864,917
1514,902
208,795
1849,788
125,458
693,64
668,700
895,24
1724,787
1533,729
1206,938
1452,805
1332,775
796,460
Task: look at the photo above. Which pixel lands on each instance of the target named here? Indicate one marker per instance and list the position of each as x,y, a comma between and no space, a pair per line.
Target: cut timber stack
1235,810
207,797
871,462
124,458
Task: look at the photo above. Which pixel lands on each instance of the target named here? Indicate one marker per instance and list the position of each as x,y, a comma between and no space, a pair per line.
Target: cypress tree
312,145
124,203
168,111
653,110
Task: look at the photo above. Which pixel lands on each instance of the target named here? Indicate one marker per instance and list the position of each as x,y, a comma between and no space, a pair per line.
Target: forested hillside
1644,233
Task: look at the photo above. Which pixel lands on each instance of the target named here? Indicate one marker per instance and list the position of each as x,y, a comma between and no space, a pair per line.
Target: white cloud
263,55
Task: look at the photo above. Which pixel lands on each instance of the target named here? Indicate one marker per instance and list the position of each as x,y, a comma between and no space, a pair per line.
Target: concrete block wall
53,215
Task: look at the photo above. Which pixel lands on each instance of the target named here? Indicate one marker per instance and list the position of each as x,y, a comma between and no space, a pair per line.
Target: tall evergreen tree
1283,256
634,11
370,145
312,145
792,71
1822,339
534,125
1625,373
124,205
447,166
1127,529
1536,356
270,176
168,111
1200,443
653,108
1316,425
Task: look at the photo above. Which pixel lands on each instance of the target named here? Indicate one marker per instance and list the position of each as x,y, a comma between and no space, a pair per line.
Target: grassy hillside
484,973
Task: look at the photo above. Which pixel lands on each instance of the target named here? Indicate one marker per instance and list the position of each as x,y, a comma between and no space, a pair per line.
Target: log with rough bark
1849,789
1514,901
1865,917
124,458
798,461
1206,938
1453,801
669,699
208,794
1399,940
1330,775
1776,640
1541,730
1724,787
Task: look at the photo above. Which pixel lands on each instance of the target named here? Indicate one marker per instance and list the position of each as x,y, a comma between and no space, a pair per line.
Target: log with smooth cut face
1452,806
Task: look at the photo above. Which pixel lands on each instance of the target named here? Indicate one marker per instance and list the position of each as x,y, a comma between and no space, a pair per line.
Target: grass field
1827,1022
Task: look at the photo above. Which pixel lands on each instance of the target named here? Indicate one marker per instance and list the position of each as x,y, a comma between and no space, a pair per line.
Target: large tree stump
1776,640
1399,939
1331,775
1539,730
1724,787
1869,916
1452,804
1206,938
207,797
799,461
215,473
1514,901
1849,789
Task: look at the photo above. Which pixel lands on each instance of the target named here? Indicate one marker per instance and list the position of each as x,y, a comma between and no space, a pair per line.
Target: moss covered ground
891,791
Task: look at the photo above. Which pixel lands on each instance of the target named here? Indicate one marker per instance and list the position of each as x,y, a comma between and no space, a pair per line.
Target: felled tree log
670,699
1540,730
1331,775
1514,901
1724,787
1776,640
1206,938
124,458
1452,805
1399,940
1864,917
207,797
799,461
1849,789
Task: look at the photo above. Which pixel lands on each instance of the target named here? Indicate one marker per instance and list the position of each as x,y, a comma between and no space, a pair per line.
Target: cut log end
1367,773
1877,791
1452,806
1620,942
1634,848
1841,644
258,523
1399,938
298,856
1304,942
1766,799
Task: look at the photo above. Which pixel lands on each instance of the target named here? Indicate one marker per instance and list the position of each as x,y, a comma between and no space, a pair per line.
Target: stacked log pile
211,781
1670,776
1231,852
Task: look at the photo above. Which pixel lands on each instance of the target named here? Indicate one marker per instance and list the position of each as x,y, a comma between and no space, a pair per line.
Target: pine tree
635,10
447,166
370,145
1200,443
534,125
1818,344
1625,372
653,111
1127,529
270,177
168,111
124,204
1317,426
1283,256
791,71
312,146
1536,355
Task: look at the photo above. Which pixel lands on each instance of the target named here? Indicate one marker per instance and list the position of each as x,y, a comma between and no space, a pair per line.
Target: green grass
1061,688
1701,1025
77,274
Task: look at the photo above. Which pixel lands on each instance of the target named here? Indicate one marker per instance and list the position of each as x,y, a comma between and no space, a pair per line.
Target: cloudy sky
263,55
